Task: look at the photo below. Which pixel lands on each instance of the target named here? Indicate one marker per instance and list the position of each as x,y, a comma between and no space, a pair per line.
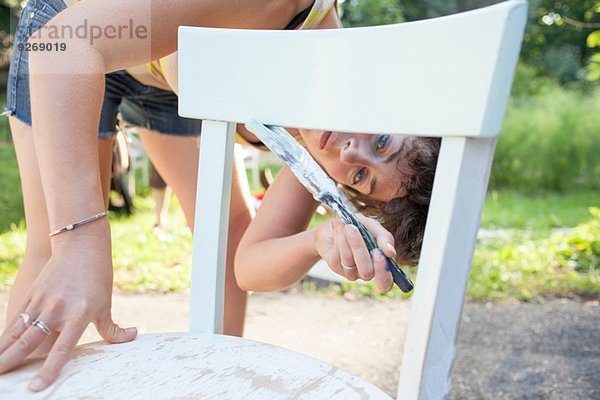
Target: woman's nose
350,152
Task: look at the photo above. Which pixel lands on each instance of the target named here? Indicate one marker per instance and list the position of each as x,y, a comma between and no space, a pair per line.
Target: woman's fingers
385,240
23,345
360,253
112,332
59,355
383,277
347,262
14,329
349,256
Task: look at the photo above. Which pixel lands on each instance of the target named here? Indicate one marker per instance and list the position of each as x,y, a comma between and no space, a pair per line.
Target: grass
142,262
508,209
11,202
529,260
4,130
526,265
523,267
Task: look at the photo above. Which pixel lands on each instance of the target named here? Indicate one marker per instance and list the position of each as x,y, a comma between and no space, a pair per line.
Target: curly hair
405,217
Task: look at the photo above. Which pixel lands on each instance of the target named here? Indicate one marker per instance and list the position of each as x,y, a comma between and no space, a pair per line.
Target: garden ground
545,350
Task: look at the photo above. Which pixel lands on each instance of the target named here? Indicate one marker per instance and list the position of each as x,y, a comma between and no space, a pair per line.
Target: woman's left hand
346,253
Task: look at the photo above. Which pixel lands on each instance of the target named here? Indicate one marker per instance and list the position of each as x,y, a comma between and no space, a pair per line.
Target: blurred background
540,235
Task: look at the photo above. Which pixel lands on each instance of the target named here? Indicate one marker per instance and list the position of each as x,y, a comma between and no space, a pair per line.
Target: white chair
447,77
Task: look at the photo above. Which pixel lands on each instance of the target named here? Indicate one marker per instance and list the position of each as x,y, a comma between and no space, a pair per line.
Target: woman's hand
73,289
346,253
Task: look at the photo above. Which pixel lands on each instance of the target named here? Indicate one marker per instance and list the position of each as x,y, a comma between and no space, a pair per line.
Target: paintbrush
321,186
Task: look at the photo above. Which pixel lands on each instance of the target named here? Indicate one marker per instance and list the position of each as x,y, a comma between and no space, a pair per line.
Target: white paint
446,77
441,77
450,236
433,77
182,366
213,196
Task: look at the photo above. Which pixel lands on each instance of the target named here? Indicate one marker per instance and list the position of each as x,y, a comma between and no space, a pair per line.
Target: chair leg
452,224
213,196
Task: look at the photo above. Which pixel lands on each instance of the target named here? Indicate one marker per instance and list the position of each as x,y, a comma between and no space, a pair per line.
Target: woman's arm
75,285
277,250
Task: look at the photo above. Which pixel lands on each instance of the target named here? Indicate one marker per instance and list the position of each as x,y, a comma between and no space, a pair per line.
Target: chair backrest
447,77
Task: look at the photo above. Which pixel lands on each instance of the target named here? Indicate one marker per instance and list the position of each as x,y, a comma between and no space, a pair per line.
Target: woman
389,177
66,282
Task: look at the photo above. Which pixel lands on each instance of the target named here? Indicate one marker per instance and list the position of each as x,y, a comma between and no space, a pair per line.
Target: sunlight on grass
508,209
144,263
12,248
522,267
11,202
141,261
529,260
525,264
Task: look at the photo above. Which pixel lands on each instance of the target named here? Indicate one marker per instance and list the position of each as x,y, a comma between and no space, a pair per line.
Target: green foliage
510,209
555,38
378,12
11,202
9,11
142,262
592,70
5,137
582,249
550,142
12,248
523,264
528,81
527,260
593,40
561,264
371,12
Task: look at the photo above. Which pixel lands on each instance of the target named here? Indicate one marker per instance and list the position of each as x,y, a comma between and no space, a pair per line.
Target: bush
550,142
582,250
523,267
528,81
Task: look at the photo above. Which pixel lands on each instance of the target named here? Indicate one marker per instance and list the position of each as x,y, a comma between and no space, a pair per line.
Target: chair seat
191,366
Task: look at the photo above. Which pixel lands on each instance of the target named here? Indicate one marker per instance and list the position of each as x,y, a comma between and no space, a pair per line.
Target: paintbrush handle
400,278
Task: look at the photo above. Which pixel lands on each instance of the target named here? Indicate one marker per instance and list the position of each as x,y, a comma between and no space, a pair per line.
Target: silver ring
26,318
348,267
41,326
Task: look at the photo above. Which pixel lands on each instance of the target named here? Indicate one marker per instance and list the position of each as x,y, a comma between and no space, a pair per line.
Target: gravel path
518,351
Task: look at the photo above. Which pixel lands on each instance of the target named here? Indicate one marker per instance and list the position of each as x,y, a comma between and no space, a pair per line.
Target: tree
370,12
555,45
8,20
593,41
559,39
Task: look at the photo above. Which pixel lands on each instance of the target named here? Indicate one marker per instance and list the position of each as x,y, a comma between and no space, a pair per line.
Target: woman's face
366,163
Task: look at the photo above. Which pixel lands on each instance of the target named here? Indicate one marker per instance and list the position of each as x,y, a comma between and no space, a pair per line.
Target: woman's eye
382,141
359,176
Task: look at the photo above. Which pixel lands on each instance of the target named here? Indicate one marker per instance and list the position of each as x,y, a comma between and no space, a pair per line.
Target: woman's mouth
325,139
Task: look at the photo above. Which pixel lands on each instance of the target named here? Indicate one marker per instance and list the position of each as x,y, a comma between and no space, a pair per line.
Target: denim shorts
145,106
